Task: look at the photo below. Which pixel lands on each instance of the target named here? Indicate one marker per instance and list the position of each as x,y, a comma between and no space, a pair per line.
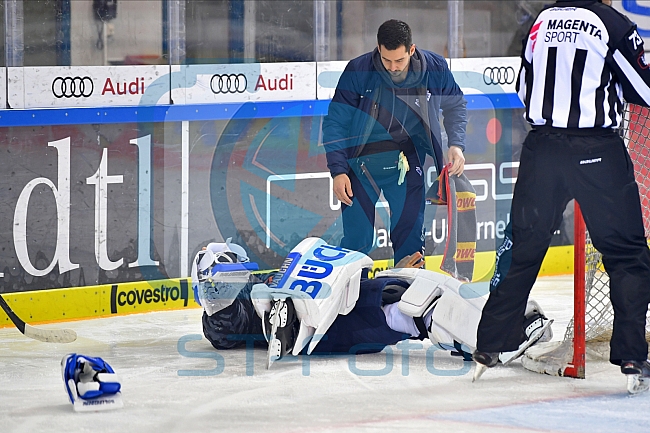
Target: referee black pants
598,173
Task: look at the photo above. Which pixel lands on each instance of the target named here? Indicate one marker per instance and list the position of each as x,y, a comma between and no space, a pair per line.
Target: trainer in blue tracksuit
383,120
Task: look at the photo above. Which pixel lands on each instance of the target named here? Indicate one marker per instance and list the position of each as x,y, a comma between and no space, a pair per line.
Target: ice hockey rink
173,381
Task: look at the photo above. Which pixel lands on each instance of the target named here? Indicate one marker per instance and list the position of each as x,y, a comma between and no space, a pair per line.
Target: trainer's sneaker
636,367
489,359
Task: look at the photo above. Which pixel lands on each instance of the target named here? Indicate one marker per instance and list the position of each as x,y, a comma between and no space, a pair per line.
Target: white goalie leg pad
440,337
411,274
453,315
322,280
458,312
424,287
533,307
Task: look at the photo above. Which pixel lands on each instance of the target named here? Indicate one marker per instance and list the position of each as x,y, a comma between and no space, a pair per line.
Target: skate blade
478,371
636,384
507,357
275,346
274,352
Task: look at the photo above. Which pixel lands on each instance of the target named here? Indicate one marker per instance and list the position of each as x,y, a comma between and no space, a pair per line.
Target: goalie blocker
337,311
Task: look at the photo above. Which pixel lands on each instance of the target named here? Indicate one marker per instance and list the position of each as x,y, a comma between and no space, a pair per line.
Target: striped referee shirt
581,58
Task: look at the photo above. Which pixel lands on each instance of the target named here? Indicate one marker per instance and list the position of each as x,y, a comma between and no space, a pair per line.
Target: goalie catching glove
90,382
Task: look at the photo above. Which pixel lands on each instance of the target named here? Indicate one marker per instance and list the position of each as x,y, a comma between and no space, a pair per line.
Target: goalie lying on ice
318,302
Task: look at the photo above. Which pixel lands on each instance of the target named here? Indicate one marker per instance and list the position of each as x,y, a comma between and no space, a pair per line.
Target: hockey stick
45,335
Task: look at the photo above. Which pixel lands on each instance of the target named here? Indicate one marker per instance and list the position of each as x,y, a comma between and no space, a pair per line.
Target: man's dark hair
393,34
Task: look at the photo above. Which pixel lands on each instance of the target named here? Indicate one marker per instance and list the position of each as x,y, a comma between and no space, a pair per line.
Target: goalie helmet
227,328
216,253
219,272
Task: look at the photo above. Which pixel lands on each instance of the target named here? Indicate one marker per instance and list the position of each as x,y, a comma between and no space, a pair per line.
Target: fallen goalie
319,302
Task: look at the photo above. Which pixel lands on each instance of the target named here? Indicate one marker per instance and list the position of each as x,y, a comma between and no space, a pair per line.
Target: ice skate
281,326
638,376
484,360
536,328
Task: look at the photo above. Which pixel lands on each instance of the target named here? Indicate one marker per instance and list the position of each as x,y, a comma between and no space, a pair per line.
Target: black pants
598,173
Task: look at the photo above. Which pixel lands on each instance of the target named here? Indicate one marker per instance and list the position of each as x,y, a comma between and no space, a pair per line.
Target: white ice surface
171,388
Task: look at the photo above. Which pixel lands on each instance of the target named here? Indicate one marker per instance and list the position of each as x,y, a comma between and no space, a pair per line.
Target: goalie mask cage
591,327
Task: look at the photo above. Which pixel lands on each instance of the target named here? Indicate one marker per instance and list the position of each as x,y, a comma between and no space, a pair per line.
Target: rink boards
78,303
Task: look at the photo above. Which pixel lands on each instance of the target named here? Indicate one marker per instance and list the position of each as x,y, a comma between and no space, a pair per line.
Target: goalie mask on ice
321,281
90,382
219,272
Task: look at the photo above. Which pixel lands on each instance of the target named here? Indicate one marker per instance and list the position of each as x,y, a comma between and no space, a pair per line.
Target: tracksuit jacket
353,110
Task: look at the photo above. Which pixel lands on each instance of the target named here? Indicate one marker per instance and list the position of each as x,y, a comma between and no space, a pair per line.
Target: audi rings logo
228,83
72,87
493,75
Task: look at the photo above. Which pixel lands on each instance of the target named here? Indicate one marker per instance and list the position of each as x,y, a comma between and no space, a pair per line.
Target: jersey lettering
309,287
580,25
309,273
635,39
561,37
315,270
323,253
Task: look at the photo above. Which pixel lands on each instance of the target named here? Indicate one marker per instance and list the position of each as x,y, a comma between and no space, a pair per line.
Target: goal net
590,329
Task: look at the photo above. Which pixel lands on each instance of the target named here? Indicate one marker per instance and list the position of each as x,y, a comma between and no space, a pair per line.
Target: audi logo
72,87
228,83
493,75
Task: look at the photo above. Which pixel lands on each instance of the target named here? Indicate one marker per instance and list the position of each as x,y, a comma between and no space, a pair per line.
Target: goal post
577,366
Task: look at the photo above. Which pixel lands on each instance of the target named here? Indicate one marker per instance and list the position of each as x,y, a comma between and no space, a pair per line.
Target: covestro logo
149,296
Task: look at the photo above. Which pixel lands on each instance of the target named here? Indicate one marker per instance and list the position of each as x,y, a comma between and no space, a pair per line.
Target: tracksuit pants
598,172
377,173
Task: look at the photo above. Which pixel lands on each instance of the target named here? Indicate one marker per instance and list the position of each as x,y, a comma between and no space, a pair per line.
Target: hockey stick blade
44,335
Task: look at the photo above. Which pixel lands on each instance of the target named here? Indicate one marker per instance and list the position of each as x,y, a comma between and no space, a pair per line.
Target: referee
579,59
